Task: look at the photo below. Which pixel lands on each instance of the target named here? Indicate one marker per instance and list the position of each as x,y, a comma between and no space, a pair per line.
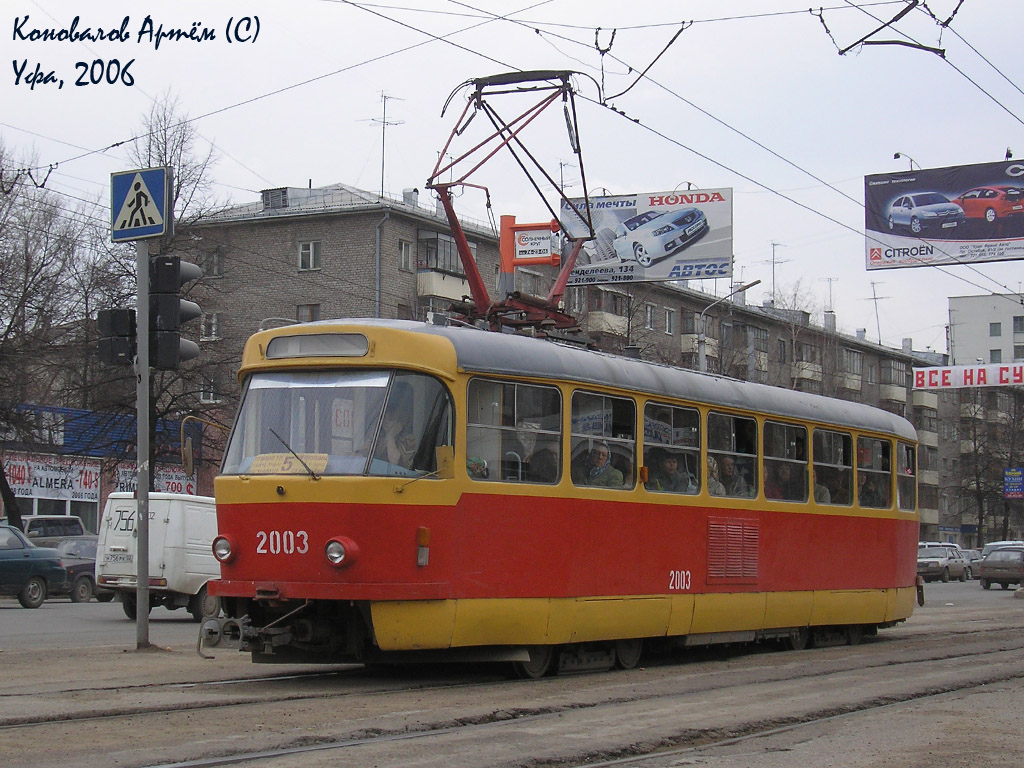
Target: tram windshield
339,423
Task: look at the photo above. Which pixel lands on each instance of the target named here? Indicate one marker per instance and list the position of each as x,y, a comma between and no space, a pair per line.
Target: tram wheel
854,634
627,653
542,658
798,639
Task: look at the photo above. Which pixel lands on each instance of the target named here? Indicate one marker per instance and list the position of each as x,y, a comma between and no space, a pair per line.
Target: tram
394,490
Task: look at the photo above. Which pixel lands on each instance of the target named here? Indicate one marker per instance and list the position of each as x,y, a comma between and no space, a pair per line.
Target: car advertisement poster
653,236
958,215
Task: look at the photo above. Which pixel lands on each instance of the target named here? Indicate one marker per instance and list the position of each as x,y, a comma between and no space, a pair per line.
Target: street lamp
702,337
898,155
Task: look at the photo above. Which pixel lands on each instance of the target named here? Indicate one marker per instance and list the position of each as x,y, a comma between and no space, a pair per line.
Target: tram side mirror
444,458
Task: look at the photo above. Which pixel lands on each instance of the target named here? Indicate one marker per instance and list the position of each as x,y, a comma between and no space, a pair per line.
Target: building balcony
971,411
688,345
923,399
606,322
924,437
892,392
441,284
807,371
849,381
928,477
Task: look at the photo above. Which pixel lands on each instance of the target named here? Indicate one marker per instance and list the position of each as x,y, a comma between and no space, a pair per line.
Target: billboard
961,376
652,236
958,215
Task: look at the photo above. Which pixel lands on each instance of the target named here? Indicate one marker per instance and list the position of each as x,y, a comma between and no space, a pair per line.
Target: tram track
371,717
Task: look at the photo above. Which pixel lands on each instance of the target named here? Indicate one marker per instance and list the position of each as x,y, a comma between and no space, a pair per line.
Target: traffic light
117,336
168,311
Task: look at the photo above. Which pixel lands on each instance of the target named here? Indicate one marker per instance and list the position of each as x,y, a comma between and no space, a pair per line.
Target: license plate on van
118,558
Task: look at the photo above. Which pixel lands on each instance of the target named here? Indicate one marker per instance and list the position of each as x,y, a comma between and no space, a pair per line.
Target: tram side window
603,440
672,448
415,422
833,467
732,456
874,473
785,462
906,477
514,432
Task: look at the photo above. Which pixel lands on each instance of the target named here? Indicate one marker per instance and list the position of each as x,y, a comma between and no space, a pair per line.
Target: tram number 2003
679,580
282,542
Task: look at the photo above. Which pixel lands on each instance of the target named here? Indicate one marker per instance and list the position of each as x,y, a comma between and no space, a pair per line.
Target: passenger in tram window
600,471
625,465
669,476
396,443
732,479
867,493
839,487
776,480
822,495
715,487
543,466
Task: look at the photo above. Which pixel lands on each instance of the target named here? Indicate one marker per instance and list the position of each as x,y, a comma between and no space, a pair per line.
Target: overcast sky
752,95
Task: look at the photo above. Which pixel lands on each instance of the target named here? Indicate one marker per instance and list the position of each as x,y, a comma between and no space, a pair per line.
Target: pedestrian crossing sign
140,204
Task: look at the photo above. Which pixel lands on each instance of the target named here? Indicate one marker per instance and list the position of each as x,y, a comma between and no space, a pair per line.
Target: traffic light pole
142,450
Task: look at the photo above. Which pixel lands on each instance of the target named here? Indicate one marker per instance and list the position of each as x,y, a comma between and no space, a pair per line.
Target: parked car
26,570
652,236
1003,566
992,203
925,212
973,557
941,562
78,554
993,545
47,530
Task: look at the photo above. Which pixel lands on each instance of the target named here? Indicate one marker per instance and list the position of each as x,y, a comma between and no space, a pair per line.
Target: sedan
992,203
925,212
942,563
78,553
28,571
651,236
1002,566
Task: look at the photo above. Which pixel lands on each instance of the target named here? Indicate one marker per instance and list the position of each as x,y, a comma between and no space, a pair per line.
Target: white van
181,561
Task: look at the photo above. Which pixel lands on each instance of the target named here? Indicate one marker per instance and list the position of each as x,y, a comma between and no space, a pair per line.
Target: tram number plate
286,464
282,542
679,581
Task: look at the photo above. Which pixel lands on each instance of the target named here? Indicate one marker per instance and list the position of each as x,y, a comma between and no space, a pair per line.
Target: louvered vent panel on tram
733,550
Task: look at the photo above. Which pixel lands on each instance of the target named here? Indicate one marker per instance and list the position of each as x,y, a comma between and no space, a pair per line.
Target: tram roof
511,355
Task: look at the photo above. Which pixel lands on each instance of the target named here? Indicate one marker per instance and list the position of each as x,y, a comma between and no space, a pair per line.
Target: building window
760,337
688,323
1018,323
214,264
307,313
405,255
208,391
995,355
782,351
808,353
853,361
649,316
439,252
670,321
1018,352
211,326
404,312
995,329
894,372
309,255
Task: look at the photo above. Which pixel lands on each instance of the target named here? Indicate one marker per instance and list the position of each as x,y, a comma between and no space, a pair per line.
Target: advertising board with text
653,236
963,214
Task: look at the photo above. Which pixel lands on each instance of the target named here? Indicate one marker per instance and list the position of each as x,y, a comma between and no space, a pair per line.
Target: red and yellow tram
393,489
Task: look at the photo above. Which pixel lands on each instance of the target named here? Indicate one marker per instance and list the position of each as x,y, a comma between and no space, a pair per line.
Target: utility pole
829,280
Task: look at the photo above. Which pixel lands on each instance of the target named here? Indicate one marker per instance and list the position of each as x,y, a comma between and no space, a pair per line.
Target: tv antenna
383,122
829,280
876,298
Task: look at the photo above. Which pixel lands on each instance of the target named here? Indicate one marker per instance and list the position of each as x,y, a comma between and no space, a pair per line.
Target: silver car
941,563
650,237
925,212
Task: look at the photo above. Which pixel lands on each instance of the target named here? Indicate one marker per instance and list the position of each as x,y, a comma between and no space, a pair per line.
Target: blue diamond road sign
140,204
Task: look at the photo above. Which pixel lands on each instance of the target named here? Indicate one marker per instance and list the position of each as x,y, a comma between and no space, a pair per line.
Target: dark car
78,553
925,212
28,571
992,203
1003,566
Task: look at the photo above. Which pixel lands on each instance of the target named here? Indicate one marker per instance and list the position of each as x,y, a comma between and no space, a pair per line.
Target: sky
750,95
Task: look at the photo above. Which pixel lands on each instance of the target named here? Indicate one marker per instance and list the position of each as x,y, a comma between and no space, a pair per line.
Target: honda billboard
958,215
652,236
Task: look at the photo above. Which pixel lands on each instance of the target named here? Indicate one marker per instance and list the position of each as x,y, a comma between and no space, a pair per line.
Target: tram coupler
215,632
920,590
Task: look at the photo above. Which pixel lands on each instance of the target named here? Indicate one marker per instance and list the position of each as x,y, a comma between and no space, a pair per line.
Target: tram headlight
340,551
223,550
